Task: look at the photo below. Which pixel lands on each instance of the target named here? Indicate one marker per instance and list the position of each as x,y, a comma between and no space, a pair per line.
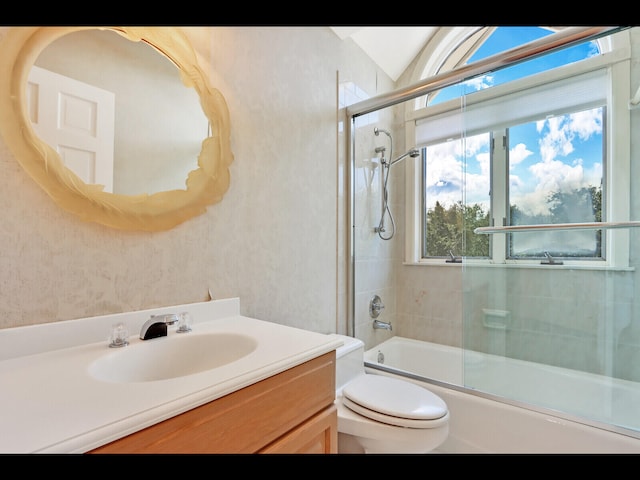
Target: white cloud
563,130
517,154
553,175
586,123
480,83
557,141
445,171
548,176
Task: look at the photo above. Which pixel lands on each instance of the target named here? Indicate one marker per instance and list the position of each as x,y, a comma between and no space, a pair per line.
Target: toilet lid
394,401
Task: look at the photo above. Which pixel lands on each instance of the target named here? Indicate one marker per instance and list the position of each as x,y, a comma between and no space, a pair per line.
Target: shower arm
414,152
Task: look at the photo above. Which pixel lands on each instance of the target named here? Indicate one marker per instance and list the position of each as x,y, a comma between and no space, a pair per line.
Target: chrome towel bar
556,226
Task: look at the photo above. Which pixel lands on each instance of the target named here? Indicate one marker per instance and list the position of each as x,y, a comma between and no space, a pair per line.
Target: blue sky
559,153
505,38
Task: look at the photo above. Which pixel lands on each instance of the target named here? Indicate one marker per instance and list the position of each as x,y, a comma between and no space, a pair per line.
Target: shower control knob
375,306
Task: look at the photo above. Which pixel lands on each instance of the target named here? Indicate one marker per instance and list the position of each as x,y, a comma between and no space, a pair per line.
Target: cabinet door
319,434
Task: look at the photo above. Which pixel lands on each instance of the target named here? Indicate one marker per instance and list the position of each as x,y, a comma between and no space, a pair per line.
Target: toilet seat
393,401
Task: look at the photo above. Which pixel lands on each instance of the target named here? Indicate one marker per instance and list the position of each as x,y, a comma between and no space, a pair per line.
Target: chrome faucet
380,324
156,326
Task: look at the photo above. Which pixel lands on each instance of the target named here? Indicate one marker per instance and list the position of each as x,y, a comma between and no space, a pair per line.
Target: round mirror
156,179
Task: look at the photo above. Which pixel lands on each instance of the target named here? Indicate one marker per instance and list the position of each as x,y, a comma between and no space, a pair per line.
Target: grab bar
556,226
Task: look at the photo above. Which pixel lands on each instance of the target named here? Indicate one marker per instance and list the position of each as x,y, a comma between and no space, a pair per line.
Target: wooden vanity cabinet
291,412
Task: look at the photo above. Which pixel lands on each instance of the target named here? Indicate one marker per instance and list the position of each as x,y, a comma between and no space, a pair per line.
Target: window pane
555,176
452,213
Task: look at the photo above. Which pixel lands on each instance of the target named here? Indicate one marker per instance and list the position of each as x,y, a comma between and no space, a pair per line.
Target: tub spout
383,325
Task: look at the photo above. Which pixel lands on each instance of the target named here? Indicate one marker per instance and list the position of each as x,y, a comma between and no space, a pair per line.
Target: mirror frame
205,186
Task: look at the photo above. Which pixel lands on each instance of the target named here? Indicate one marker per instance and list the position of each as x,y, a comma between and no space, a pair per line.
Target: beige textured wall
271,241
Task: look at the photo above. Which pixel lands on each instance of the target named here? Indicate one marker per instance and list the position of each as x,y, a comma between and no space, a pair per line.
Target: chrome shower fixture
377,131
386,168
413,153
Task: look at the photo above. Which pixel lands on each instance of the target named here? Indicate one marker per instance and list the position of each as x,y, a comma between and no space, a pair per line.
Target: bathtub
499,422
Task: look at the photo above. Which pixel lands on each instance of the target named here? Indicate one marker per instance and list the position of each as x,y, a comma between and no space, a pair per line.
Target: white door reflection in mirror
77,120
159,122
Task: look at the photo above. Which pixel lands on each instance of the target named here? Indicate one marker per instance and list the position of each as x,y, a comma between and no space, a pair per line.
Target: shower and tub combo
541,358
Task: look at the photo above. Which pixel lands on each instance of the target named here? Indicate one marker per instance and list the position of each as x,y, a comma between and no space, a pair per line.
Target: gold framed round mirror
204,185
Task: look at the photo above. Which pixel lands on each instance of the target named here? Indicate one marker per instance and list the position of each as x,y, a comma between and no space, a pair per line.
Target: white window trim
618,166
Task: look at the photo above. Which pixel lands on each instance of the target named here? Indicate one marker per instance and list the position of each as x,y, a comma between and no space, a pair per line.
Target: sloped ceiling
392,48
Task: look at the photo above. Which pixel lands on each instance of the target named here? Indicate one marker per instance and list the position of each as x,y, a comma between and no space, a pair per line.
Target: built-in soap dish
497,319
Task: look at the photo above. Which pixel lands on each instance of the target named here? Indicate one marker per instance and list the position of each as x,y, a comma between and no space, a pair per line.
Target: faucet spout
383,325
156,326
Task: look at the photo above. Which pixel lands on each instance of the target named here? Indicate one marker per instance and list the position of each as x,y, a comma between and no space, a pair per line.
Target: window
449,220
535,150
560,182
565,184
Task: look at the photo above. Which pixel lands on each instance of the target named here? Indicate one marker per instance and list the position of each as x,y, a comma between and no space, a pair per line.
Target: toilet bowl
381,414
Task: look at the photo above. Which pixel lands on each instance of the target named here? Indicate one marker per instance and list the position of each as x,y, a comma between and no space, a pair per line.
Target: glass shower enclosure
544,307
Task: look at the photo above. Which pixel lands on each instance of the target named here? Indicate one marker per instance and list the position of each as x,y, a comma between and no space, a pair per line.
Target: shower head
377,131
413,153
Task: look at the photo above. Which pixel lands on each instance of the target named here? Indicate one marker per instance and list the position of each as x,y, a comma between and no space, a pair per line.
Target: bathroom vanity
291,412
233,384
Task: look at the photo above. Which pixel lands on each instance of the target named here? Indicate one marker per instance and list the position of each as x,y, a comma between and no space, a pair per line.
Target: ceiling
392,48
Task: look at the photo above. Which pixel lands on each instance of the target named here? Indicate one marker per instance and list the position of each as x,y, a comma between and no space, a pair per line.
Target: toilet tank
349,360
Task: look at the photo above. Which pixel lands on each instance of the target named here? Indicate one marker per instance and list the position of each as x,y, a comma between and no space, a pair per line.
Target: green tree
586,201
452,231
580,205
475,245
438,239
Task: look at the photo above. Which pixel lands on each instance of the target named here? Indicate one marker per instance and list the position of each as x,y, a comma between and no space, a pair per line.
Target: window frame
617,168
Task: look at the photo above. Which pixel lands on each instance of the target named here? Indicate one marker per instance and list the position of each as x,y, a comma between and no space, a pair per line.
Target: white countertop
51,404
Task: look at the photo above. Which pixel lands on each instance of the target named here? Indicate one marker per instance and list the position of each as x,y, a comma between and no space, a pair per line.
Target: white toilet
381,414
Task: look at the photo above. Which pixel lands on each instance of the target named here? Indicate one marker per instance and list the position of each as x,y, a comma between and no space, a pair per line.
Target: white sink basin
173,356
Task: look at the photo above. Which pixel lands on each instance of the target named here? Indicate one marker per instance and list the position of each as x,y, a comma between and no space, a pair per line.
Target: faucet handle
375,307
119,336
184,322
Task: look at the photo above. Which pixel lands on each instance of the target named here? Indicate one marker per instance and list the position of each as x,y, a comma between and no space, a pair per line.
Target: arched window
524,145
495,40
